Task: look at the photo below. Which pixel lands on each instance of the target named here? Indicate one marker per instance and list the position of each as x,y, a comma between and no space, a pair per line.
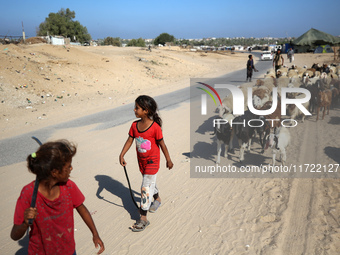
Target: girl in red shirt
52,231
148,135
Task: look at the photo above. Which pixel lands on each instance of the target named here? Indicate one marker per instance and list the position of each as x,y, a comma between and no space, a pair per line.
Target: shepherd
250,67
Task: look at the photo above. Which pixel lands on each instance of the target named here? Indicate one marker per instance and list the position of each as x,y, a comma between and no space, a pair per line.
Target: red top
146,146
52,231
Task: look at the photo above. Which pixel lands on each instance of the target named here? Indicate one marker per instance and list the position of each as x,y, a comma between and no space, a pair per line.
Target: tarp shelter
324,49
57,40
314,37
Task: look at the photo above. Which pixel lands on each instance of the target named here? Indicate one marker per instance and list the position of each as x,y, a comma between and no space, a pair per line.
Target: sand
197,216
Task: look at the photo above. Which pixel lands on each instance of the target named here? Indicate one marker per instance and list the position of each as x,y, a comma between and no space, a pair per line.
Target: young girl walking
52,231
148,134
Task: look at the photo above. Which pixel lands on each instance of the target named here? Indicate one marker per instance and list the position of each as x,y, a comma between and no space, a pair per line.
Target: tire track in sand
294,235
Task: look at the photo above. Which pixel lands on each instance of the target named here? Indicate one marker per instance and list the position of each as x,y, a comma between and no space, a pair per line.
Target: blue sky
182,19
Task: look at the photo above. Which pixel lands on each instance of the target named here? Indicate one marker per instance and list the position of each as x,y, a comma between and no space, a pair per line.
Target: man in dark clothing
250,67
278,61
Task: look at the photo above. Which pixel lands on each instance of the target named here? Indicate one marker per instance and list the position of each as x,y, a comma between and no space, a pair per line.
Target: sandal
154,206
140,225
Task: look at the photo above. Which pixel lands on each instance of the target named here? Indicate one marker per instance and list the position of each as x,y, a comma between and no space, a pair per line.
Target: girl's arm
86,216
18,231
126,147
165,151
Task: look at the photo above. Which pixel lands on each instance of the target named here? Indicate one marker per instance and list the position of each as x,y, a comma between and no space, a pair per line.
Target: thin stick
36,185
127,178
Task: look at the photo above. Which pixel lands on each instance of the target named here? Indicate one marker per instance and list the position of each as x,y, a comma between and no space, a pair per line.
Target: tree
137,43
164,38
112,41
62,23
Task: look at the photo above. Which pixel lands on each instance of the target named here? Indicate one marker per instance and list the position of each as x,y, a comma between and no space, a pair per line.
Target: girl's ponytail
157,119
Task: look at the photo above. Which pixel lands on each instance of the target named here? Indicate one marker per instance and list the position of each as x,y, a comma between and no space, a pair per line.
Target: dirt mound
35,40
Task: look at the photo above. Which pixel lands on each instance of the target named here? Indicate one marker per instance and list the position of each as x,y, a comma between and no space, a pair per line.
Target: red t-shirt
52,231
148,152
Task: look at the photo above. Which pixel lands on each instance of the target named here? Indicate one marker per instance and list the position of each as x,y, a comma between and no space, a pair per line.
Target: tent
314,37
323,49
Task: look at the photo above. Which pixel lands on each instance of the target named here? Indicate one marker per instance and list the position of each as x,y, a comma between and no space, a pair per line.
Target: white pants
148,189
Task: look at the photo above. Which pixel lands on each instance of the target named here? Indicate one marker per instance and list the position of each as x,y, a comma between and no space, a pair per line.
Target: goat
325,101
227,102
276,115
244,132
224,134
314,90
260,96
317,67
263,131
294,112
279,141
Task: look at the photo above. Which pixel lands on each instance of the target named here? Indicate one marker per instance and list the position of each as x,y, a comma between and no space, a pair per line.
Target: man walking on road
278,61
250,67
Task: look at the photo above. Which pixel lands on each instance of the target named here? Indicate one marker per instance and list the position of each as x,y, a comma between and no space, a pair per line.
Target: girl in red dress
52,231
148,135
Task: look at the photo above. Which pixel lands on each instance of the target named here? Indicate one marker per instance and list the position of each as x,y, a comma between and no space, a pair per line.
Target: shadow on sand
334,121
117,189
333,153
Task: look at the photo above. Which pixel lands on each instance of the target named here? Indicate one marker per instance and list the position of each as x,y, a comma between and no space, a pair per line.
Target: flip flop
154,206
140,225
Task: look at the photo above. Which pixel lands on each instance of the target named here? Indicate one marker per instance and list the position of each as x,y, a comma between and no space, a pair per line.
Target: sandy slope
197,216
39,82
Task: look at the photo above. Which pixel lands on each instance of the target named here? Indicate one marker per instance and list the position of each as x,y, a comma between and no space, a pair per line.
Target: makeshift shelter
324,49
57,40
314,38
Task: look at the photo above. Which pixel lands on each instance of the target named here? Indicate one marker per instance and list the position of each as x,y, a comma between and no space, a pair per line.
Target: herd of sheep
323,83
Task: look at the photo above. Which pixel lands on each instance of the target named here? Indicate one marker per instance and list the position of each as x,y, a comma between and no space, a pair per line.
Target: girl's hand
122,161
30,213
97,241
169,164
18,231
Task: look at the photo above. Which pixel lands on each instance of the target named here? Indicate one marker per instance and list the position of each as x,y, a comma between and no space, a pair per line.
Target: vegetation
62,24
232,41
137,43
113,41
163,39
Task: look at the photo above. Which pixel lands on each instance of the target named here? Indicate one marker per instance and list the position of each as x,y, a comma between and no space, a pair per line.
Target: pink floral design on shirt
143,145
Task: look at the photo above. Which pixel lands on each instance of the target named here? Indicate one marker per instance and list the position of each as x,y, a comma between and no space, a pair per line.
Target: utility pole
23,31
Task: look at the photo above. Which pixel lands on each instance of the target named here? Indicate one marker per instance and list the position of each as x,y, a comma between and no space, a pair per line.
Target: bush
137,43
164,38
112,41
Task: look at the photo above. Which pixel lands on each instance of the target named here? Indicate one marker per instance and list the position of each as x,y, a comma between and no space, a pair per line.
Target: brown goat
276,115
325,101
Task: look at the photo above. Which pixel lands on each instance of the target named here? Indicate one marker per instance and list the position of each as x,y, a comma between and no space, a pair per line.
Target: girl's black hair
149,104
50,155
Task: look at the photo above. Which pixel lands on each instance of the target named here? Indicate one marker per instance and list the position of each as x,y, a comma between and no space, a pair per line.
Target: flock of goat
323,83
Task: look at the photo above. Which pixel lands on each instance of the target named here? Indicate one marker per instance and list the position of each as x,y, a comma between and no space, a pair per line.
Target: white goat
260,96
279,142
294,112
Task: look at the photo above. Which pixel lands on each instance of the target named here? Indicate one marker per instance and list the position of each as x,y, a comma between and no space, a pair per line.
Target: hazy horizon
182,19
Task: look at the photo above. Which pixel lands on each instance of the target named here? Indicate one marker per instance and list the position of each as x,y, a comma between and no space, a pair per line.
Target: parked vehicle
266,55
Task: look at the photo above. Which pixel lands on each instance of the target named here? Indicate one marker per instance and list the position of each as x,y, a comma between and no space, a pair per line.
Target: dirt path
308,221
